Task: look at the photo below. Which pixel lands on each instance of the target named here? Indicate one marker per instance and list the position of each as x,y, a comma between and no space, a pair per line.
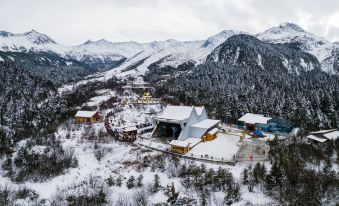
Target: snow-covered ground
103,95
119,160
122,159
130,115
224,146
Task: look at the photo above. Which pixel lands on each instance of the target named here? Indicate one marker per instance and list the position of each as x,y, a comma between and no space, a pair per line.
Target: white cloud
75,21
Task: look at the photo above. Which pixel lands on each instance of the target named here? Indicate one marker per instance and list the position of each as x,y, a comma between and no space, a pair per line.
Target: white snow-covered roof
332,135
323,131
191,142
316,138
87,114
213,131
251,118
206,124
129,129
199,110
178,113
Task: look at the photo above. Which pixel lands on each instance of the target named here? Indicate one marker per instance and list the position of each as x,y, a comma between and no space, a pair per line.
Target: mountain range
133,58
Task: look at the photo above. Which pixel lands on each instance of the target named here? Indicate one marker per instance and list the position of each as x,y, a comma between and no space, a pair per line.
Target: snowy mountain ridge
292,33
125,57
107,52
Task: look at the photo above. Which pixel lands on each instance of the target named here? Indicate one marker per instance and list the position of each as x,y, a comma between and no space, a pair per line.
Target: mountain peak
88,41
38,38
100,41
291,26
31,32
220,37
103,41
5,34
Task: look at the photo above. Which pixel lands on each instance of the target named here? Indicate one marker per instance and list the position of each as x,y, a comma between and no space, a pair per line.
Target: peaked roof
199,110
319,139
87,114
176,113
323,131
332,135
254,118
324,135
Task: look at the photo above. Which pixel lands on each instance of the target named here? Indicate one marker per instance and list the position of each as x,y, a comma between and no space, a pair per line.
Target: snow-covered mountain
104,55
133,58
321,48
247,51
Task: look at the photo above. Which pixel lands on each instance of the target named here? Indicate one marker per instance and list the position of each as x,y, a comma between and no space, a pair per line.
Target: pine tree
118,181
245,176
204,198
130,182
183,171
110,181
139,180
5,143
233,194
171,194
156,184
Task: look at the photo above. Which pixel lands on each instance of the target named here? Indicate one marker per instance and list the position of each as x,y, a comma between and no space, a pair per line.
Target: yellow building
147,99
211,135
182,147
83,117
124,101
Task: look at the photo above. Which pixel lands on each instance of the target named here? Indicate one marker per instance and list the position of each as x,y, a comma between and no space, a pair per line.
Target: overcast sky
75,21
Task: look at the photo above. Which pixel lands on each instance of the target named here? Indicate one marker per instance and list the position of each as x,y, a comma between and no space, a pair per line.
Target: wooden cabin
182,147
211,135
83,117
130,133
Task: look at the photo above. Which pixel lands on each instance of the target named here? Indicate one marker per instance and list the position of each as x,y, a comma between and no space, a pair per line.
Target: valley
120,123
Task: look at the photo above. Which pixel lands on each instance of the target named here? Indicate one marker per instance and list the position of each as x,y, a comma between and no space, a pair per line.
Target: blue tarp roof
258,133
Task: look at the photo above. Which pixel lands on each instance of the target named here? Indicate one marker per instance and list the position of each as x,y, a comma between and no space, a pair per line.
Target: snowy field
121,159
130,115
125,160
224,146
103,95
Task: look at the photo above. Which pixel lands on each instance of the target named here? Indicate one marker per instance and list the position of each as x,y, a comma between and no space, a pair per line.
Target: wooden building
210,135
147,99
83,117
182,147
130,133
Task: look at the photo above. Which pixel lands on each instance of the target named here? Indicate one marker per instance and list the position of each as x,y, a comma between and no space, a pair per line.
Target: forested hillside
247,75
48,65
26,100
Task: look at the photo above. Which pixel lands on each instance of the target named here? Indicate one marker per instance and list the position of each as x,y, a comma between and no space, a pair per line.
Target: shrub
39,160
91,191
9,195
